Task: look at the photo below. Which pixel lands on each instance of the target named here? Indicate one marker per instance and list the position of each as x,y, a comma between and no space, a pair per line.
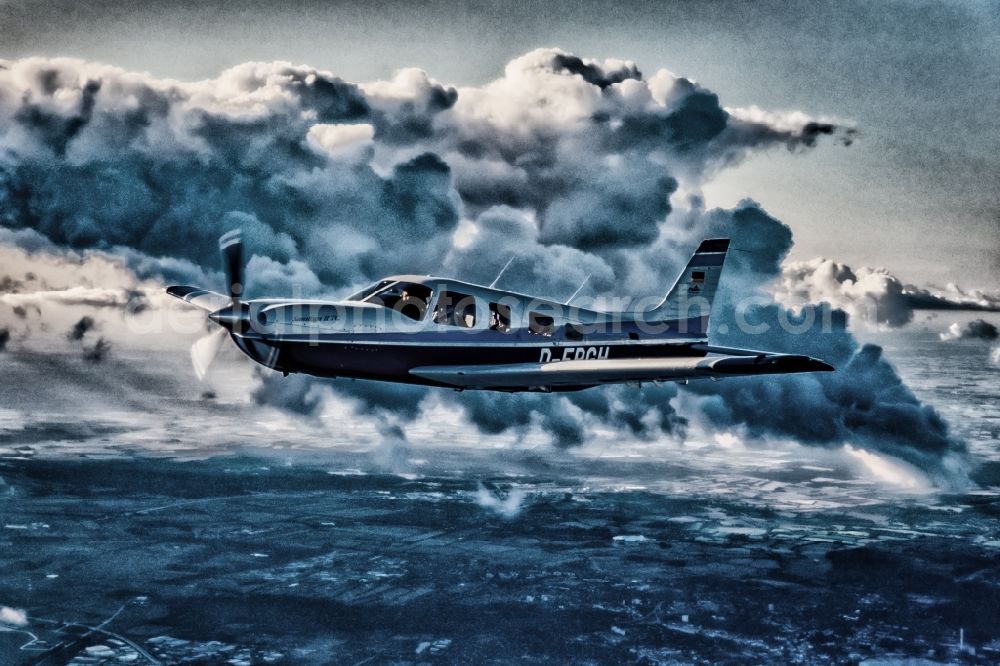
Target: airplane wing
584,373
202,298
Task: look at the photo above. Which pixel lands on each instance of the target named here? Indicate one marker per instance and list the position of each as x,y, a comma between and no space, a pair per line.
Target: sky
917,192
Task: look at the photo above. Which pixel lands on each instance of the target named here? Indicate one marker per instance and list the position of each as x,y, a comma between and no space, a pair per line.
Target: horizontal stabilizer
202,298
591,372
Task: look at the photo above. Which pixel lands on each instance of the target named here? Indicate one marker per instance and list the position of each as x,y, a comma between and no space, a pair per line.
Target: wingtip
180,290
822,366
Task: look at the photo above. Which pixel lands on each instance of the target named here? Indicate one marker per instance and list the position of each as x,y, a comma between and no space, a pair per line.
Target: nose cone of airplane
232,319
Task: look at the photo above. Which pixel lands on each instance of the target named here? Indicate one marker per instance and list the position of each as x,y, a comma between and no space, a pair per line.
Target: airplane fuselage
367,340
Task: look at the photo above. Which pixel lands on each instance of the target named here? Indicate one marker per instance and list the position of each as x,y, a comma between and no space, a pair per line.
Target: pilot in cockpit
411,306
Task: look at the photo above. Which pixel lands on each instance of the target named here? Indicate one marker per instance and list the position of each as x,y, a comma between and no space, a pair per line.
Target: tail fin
692,294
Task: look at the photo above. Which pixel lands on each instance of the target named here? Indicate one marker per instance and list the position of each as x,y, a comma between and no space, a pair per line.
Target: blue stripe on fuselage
393,362
694,327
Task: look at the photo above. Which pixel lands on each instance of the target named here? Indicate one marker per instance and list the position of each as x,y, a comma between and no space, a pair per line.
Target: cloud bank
977,329
329,178
573,167
871,295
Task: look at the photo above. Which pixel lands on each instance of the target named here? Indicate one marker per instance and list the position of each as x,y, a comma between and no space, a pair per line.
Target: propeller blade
231,246
204,349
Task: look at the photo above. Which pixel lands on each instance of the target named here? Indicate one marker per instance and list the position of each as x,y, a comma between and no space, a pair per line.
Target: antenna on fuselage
575,293
502,271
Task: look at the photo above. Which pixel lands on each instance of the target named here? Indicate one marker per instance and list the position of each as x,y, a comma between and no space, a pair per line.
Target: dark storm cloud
977,329
864,402
952,298
55,129
28,240
41,432
167,177
613,212
136,301
298,394
644,411
759,241
405,111
593,73
98,351
96,157
592,148
9,284
382,399
697,119
80,328
498,413
95,352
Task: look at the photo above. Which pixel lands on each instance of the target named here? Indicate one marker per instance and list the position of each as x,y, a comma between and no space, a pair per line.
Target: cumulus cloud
344,141
977,329
13,617
572,166
96,157
871,295
592,149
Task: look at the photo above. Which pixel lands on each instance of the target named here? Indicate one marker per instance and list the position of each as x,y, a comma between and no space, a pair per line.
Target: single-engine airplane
441,332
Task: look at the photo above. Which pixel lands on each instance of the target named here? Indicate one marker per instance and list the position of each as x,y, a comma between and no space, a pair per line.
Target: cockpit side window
540,324
455,309
408,298
500,317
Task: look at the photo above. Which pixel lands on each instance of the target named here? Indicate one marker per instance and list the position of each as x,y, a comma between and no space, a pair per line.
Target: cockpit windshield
408,298
368,291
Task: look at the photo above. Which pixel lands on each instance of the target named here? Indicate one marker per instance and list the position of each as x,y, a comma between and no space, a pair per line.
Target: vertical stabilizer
694,291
